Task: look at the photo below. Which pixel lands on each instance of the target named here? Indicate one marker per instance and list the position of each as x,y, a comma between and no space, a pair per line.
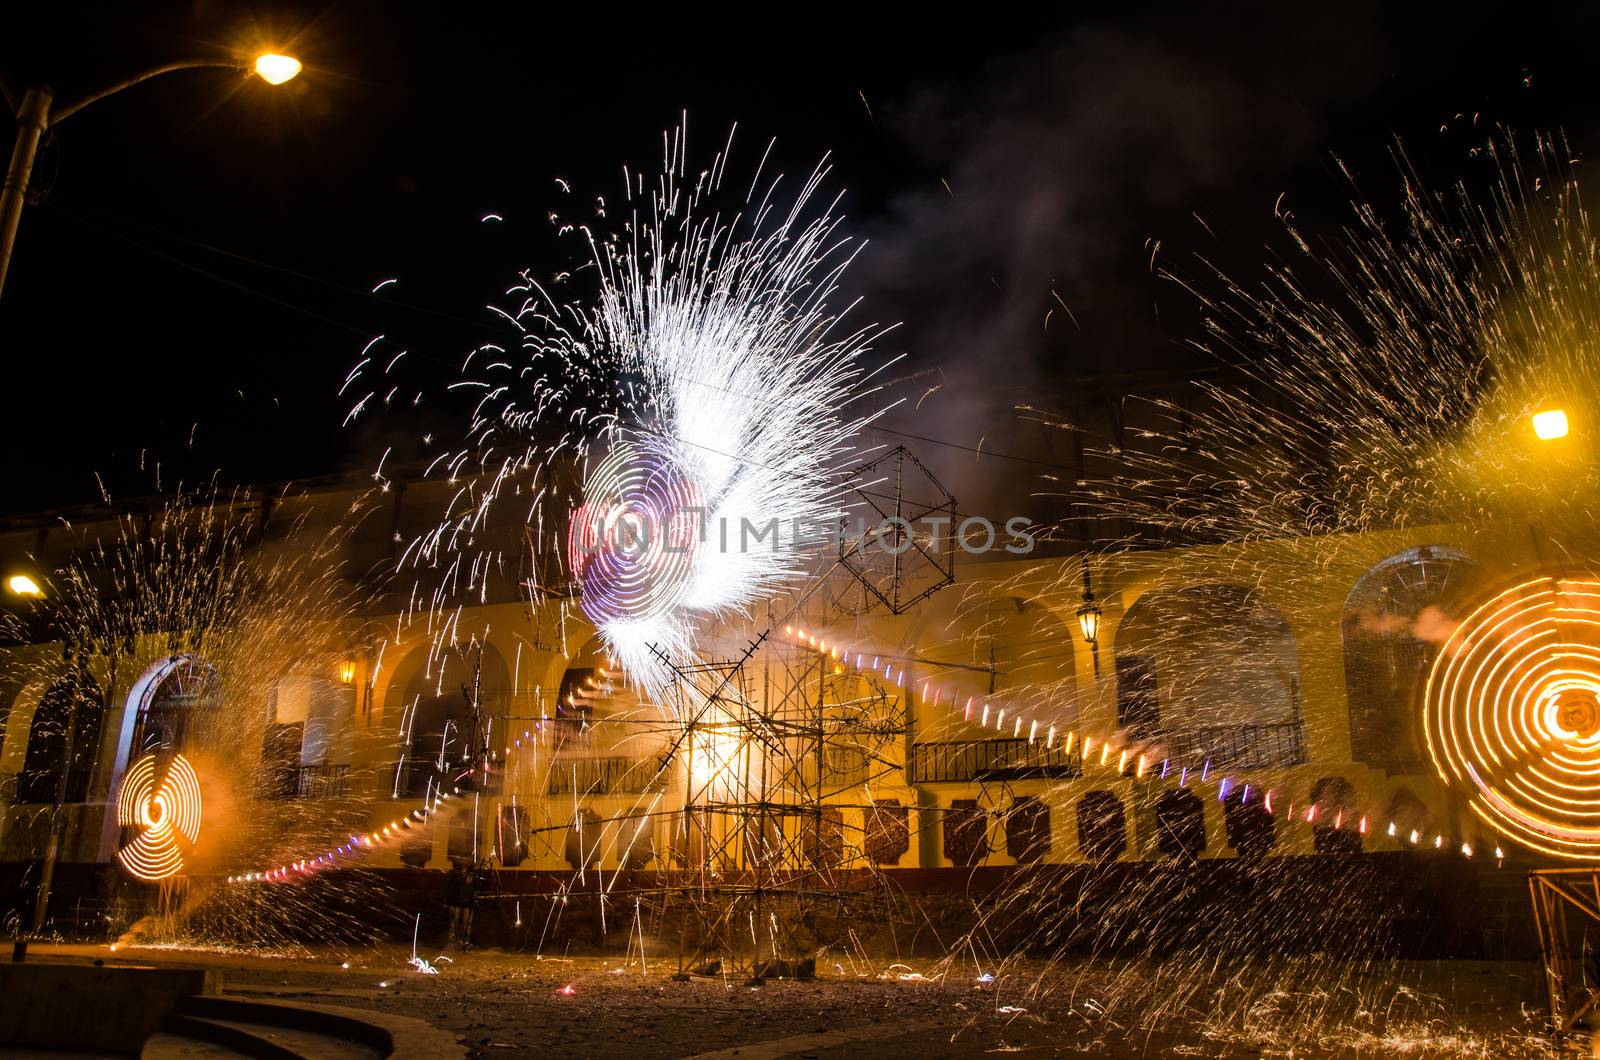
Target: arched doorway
174,705
443,709
1395,619
177,706
72,702
1180,824
1102,827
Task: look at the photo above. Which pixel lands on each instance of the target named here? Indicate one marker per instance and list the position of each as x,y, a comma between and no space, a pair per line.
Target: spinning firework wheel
1513,715
632,543
162,802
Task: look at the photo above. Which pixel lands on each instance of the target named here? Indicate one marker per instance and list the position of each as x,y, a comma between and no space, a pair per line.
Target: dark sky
195,283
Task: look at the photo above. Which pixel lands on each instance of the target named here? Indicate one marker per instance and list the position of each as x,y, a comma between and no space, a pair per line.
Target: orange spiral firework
1513,715
165,807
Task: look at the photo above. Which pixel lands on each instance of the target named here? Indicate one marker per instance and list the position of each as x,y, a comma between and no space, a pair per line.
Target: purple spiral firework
633,541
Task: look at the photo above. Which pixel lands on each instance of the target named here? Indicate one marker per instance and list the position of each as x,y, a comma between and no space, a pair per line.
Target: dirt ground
518,1005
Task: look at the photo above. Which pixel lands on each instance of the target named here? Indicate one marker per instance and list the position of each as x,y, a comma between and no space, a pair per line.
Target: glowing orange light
275,69
164,804
1550,424
1513,715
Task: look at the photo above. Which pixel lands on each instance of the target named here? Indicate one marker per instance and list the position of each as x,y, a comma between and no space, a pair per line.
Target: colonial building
977,727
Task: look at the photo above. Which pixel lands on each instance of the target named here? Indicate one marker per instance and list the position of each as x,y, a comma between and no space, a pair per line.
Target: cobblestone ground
516,1005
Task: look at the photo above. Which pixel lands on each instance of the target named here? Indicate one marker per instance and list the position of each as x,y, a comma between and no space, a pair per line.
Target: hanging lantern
1089,620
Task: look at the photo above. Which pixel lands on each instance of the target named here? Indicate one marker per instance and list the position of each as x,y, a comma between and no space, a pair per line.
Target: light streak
1512,715
162,801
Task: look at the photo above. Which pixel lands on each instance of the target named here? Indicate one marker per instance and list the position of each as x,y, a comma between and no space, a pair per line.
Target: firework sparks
707,385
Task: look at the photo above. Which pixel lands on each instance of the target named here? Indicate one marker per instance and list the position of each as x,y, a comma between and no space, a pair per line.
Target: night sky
196,282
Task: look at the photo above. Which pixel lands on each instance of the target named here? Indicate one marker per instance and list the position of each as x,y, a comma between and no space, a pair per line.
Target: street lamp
275,69
1550,424
23,585
1089,618
39,110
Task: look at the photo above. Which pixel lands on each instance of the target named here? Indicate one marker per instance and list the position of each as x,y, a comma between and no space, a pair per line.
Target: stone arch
1252,833
1396,617
46,749
966,833
177,697
1102,826
1027,826
1180,824
173,702
435,737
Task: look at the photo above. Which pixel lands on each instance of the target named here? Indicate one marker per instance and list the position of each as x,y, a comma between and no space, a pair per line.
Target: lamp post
1089,618
38,110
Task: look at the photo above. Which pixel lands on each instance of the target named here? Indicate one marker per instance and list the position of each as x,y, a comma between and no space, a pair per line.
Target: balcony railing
322,782
305,782
965,761
613,775
1240,746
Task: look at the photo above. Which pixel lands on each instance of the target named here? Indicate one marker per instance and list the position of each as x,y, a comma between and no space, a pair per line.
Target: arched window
461,836
966,833
635,841
1395,619
1027,826
1180,824
582,847
822,837
1335,831
438,717
1250,828
40,778
1102,827
593,689
511,835
888,832
1212,669
182,705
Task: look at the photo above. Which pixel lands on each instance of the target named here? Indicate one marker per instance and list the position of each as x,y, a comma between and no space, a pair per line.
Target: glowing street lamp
1089,618
275,69
1550,424
37,110
23,585
347,672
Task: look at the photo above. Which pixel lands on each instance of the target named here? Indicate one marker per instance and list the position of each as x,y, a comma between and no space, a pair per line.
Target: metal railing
322,782
610,775
1240,746
966,761
303,782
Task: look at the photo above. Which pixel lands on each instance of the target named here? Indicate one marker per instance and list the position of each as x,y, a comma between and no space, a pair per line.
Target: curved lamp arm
61,113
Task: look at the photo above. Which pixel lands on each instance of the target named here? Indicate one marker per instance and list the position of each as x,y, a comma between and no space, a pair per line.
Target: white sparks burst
709,352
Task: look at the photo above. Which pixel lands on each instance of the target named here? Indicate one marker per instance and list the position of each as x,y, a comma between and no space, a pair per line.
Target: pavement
500,1004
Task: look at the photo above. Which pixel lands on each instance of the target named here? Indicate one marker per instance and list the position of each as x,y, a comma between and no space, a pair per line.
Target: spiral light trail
1513,715
633,542
163,805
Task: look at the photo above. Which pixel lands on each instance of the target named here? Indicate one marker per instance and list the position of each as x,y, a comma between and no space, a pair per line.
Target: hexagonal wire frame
898,566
